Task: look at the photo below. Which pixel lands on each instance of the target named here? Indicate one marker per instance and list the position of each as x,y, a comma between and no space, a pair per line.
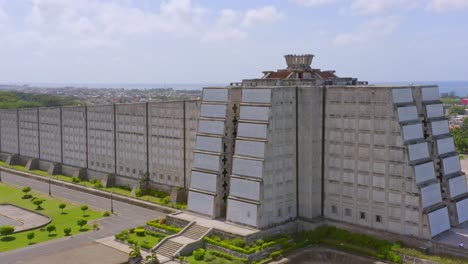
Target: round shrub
140,232
238,242
131,230
67,231
106,214
7,230
259,242
275,255
199,254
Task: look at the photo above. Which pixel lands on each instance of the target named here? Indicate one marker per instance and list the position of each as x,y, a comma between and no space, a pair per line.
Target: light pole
0,176
50,192
112,202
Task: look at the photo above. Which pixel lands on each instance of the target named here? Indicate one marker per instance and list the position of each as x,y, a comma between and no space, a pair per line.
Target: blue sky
206,41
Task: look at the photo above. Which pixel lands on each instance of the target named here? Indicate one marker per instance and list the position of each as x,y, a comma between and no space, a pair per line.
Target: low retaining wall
158,230
115,196
176,222
252,257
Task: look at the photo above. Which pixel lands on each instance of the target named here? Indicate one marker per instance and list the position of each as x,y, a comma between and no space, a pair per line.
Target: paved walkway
87,254
217,224
25,219
127,216
112,243
8,221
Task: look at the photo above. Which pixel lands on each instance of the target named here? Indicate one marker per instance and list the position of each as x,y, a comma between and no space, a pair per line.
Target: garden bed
152,196
61,219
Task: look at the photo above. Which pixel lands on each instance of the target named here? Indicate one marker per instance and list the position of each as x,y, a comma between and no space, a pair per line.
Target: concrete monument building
301,143
295,144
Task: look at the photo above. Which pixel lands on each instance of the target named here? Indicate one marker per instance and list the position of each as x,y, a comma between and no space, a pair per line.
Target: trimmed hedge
235,244
172,229
223,255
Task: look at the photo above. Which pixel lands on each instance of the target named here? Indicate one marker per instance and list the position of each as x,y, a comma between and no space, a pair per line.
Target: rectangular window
168,177
378,218
176,179
127,169
161,176
121,168
334,210
362,215
348,212
141,172
133,171
279,212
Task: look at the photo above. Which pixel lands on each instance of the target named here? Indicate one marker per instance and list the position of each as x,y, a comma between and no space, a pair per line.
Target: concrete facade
9,131
28,120
312,145
89,137
298,143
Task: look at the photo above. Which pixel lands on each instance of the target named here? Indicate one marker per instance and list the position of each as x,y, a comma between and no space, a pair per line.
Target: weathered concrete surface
90,253
26,219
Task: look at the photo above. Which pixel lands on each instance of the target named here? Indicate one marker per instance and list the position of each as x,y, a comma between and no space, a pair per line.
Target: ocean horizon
459,87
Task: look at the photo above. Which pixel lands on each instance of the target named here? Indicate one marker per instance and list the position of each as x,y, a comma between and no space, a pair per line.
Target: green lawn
50,206
117,190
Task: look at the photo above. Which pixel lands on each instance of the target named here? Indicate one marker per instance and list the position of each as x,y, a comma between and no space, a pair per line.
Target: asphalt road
126,216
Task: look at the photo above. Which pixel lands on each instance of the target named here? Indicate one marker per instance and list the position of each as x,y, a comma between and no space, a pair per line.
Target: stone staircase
168,248
195,232
187,240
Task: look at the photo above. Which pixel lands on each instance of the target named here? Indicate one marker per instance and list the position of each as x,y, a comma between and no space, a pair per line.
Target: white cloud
376,7
440,6
97,22
309,3
225,27
263,15
375,28
233,25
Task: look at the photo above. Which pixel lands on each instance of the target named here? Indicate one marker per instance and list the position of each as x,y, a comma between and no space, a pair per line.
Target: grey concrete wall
368,181
213,150
74,136
166,143
84,138
101,138
9,131
310,151
28,133
50,134
131,140
278,194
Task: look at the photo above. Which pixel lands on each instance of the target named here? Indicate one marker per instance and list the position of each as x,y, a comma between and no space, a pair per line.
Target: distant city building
297,143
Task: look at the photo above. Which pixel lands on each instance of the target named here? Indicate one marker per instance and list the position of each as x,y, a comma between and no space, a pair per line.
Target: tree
51,228
464,126
38,203
81,223
26,190
457,110
30,236
84,208
6,230
67,231
62,206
